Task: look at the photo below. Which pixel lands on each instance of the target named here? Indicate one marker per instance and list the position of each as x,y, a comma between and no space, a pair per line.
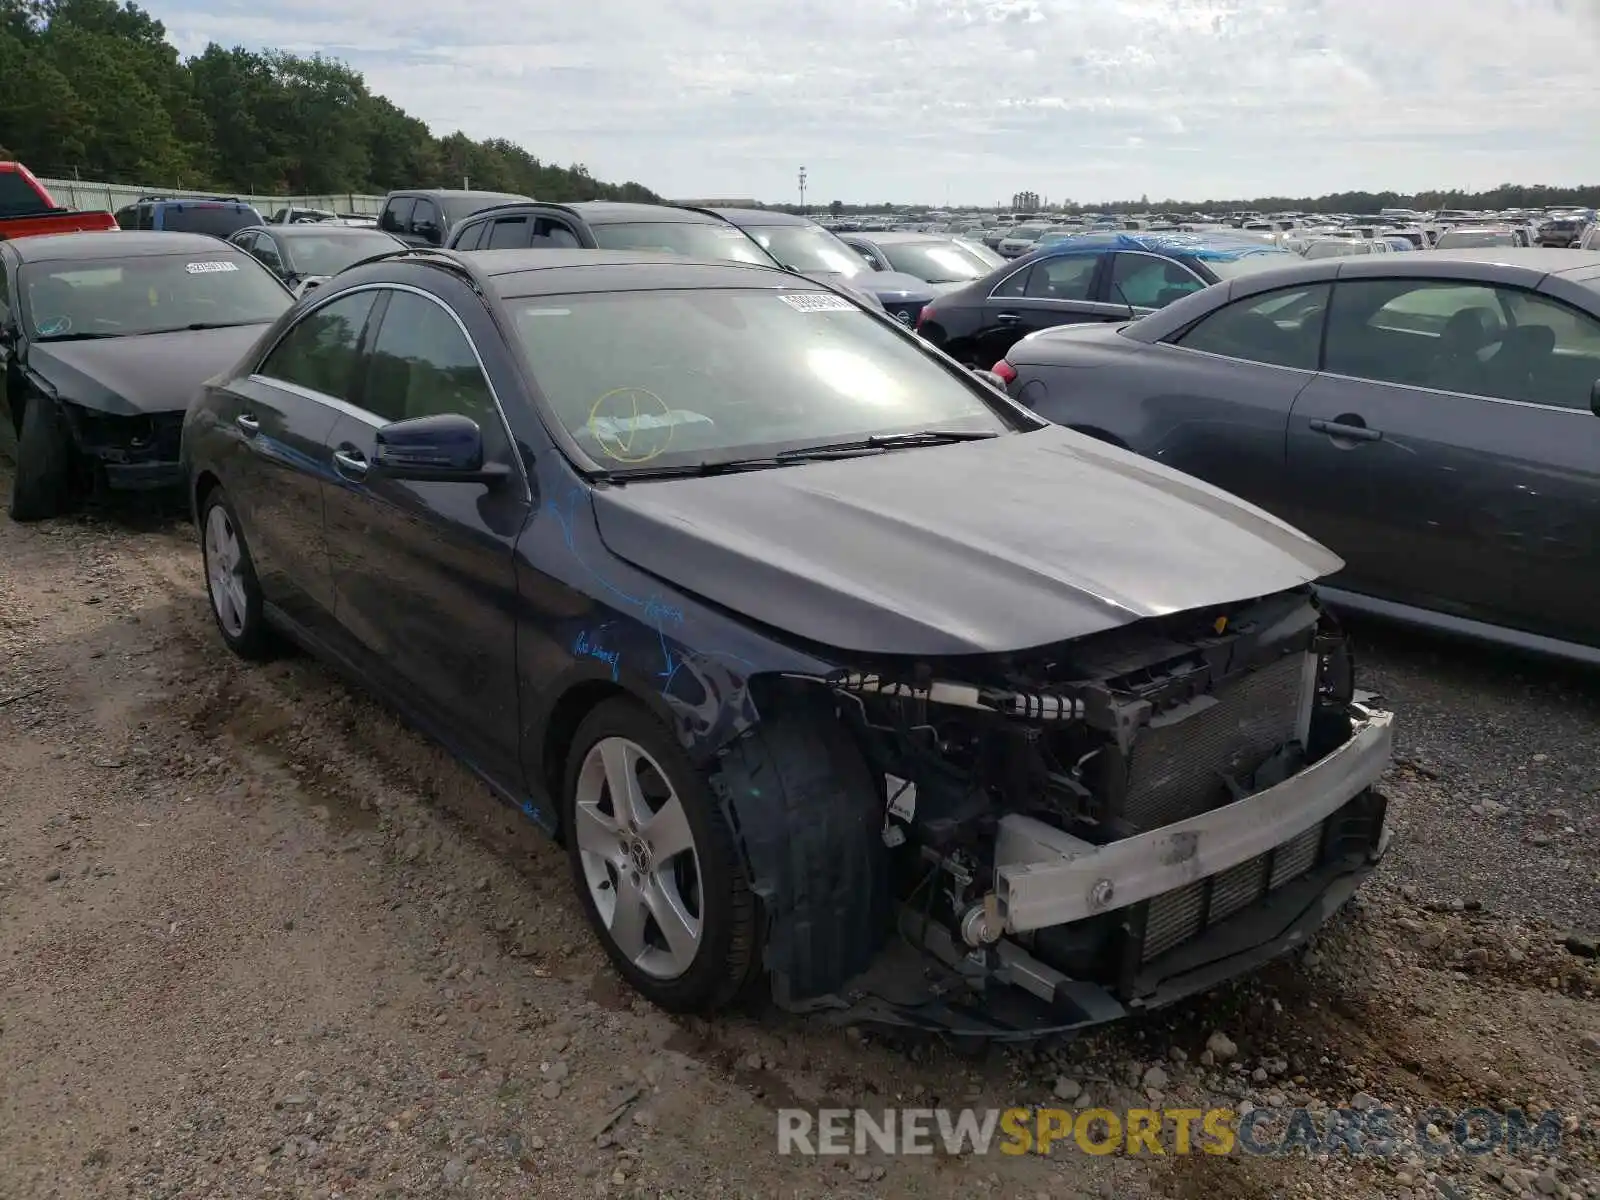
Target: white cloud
971,100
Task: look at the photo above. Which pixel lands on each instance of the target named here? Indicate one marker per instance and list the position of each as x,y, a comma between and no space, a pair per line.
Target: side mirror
428,231
447,448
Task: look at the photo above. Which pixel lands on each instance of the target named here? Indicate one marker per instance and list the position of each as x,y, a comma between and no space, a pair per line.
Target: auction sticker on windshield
206,268
816,302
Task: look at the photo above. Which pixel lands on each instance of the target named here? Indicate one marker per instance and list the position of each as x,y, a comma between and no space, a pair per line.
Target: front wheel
655,864
231,582
42,486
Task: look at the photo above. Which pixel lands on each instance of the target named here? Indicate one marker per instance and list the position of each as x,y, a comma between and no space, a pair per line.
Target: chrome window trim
366,416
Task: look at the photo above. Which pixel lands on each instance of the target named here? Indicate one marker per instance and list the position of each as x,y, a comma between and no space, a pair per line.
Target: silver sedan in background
1432,418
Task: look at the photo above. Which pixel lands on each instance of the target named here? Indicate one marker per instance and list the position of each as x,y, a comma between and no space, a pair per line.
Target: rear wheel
231,582
43,484
655,864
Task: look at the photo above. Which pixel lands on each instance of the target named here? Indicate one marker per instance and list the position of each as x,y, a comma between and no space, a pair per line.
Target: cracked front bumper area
1190,906
130,453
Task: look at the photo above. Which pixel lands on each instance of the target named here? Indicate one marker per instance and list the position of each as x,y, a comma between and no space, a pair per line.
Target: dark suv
214,215
428,217
606,225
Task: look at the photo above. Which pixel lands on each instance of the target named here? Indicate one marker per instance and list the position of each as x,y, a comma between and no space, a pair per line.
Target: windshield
217,220
674,377
1457,239
696,239
936,262
809,248
331,253
1249,263
157,294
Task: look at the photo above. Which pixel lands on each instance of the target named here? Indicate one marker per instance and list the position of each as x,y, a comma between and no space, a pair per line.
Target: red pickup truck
26,208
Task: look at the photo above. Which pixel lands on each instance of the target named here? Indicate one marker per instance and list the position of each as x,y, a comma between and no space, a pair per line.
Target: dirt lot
258,939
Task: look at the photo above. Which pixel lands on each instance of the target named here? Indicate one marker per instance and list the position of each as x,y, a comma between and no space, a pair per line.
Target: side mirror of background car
447,448
428,231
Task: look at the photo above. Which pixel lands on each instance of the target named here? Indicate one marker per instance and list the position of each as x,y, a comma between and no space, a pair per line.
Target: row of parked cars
811,625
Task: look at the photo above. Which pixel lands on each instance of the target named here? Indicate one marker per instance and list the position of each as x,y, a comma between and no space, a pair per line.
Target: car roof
895,237
606,212
510,274
1191,245
760,216
64,247
455,194
310,229
1518,266
616,212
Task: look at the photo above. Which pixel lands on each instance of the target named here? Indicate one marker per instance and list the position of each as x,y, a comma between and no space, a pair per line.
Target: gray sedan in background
1432,418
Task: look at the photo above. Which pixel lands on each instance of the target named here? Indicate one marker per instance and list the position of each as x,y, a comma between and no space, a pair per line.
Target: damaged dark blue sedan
834,670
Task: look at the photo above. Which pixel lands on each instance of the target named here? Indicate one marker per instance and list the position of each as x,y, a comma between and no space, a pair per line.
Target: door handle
350,462
248,424
1008,318
1352,433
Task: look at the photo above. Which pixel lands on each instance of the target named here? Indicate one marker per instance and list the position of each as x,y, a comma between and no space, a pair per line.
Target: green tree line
93,87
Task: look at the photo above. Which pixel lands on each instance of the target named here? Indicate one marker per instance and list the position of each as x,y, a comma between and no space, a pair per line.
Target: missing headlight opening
1070,834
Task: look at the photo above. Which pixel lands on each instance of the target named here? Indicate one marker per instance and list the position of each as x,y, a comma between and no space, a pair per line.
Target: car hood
1055,345
976,547
156,372
890,287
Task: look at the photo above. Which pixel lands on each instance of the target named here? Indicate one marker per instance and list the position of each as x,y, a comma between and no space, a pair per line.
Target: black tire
42,485
729,951
250,638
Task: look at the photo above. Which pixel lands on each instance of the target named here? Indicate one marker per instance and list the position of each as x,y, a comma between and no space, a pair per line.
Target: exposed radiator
1176,767
1176,916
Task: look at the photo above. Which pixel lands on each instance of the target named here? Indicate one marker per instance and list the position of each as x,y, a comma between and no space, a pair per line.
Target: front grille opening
1176,770
1184,913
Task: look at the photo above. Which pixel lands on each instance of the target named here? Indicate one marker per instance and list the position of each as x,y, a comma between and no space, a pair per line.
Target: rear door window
1068,277
1148,281
509,233
321,351
1282,328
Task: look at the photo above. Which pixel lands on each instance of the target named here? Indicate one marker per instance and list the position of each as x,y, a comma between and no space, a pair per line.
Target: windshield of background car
1458,239
807,248
333,253
936,262
668,377
1249,263
218,220
154,294
696,239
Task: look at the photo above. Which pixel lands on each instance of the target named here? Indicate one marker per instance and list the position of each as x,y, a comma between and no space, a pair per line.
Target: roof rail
430,256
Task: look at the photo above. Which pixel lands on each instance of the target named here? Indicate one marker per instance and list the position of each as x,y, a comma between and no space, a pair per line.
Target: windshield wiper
197,325
889,441
80,336
692,470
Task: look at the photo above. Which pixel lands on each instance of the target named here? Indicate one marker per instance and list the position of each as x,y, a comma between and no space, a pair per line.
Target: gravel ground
257,939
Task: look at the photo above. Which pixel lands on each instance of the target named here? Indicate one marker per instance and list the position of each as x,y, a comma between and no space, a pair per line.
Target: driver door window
266,250
397,215
425,222
423,366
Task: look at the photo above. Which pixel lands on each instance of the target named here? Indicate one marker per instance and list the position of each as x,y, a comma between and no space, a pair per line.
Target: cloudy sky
971,100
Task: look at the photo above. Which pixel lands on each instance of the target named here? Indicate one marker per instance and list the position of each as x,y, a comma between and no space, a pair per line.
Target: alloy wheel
638,857
225,571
